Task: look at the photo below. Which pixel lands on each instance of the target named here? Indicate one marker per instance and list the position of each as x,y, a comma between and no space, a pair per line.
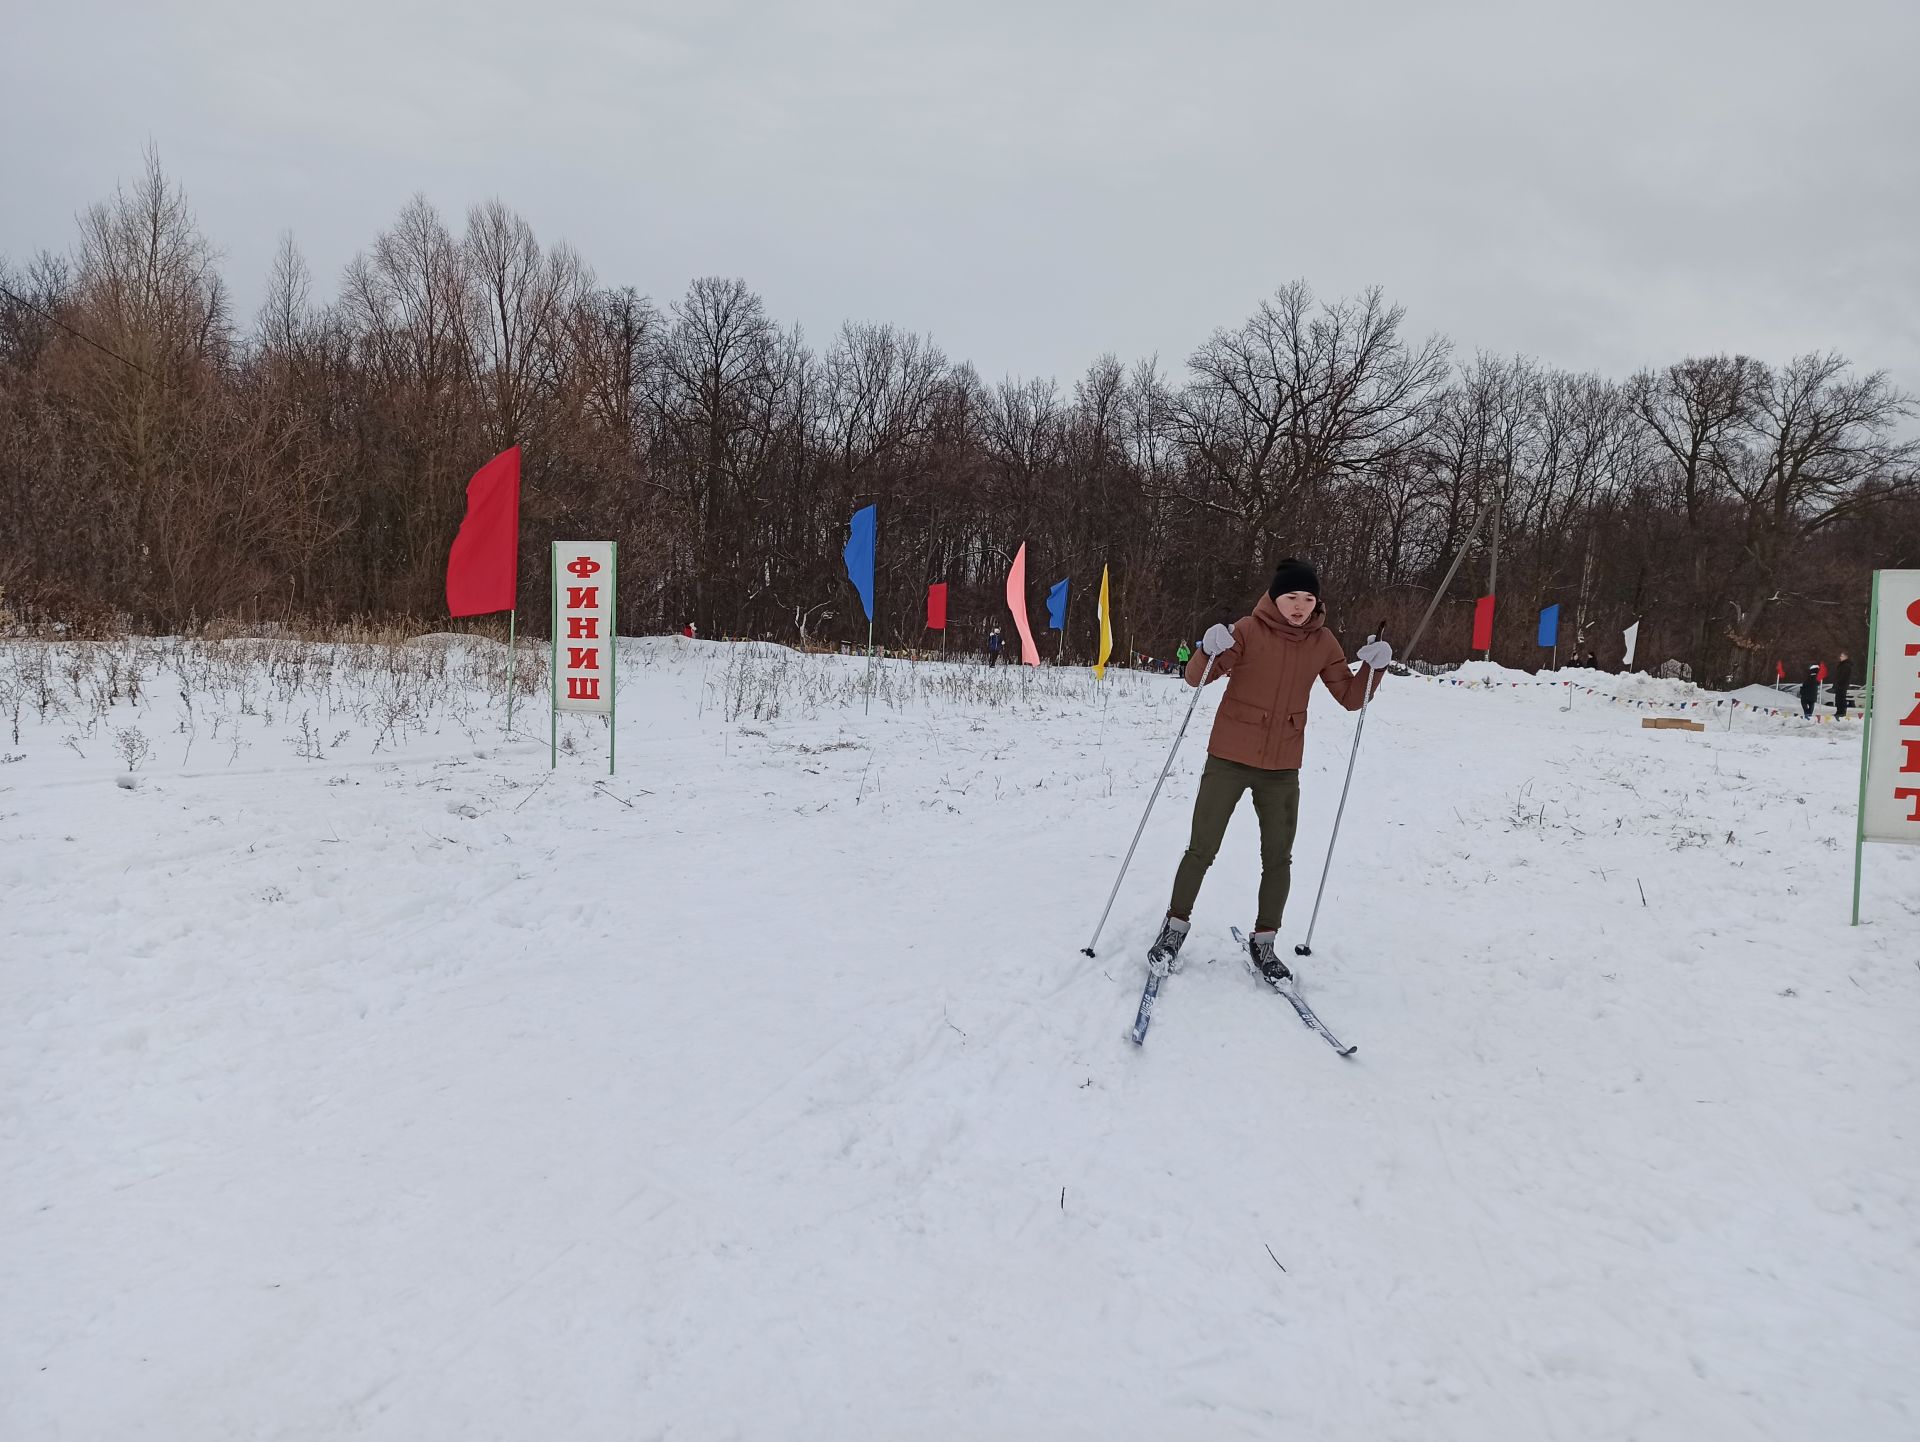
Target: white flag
1632,633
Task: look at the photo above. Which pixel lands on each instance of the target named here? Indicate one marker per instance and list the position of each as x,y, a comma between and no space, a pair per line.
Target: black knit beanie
1294,576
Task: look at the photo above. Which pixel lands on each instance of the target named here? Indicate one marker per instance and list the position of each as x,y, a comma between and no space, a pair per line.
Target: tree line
164,464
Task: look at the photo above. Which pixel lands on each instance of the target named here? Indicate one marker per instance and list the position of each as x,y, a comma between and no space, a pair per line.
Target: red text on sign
583,628
583,566
1912,748
583,598
587,688
583,658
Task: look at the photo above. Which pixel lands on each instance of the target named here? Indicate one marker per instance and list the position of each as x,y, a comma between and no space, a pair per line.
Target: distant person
690,631
1593,662
1809,692
1184,654
1842,683
994,646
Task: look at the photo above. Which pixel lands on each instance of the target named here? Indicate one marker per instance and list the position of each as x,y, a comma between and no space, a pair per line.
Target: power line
78,335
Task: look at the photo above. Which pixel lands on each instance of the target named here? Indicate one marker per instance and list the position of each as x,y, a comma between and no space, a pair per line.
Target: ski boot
1265,960
1163,956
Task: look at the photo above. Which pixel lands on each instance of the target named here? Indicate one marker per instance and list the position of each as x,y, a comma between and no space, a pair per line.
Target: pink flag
1017,603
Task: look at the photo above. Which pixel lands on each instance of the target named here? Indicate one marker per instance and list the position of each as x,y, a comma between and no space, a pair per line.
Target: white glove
1377,654
1218,638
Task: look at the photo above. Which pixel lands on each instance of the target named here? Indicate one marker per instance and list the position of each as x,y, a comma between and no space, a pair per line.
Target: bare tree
1298,396
1695,411
157,464
1821,445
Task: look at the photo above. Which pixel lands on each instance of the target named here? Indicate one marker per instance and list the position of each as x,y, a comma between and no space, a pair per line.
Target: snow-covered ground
364,1079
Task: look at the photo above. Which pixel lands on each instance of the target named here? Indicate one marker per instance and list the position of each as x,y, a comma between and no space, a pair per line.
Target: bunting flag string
1633,702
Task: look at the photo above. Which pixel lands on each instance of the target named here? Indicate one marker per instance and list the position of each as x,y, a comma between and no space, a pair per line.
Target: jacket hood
1268,615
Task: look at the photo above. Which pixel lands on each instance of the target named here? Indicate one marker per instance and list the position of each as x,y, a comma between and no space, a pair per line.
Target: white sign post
1890,751
584,655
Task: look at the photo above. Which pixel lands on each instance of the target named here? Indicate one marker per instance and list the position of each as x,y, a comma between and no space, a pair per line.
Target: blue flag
859,556
1057,608
1550,626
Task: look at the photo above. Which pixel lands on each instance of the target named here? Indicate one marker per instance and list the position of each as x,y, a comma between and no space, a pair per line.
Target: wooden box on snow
1670,723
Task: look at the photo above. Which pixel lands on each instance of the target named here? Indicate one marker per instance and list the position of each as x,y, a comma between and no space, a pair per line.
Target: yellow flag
1106,628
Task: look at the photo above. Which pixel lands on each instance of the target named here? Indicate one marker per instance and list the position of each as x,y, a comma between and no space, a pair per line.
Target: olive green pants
1276,801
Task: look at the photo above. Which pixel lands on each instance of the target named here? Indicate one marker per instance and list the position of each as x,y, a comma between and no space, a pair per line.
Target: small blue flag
1550,626
1057,608
859,556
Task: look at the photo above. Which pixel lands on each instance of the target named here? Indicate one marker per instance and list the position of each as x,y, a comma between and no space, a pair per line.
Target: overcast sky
1601,185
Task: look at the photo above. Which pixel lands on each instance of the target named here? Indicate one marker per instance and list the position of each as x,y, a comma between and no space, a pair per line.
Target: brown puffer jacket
1262,720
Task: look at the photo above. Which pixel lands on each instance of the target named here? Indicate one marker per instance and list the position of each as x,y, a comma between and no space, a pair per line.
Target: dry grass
760,682
373,680
323,686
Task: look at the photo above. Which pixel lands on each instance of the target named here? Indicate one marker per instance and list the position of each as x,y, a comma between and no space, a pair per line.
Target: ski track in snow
427,1095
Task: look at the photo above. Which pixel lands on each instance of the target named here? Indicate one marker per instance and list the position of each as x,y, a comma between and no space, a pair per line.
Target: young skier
993,647
1809,692
1270,660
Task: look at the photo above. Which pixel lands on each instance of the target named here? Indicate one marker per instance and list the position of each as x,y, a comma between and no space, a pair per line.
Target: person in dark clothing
1809,692
1842,683
993,646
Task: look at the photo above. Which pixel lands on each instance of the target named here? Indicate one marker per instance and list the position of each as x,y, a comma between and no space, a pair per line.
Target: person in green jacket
1184,654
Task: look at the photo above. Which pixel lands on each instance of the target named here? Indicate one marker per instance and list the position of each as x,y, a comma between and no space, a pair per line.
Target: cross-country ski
1289,987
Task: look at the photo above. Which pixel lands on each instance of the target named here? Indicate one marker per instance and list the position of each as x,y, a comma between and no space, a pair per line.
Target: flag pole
512,617
1866,740
869,710
1440,593
553,668
613,655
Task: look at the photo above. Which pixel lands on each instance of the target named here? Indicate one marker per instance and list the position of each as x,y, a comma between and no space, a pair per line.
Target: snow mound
1492,672
1628,686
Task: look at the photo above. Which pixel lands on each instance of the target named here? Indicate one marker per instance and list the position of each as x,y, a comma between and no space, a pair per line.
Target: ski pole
1305,948
1205,672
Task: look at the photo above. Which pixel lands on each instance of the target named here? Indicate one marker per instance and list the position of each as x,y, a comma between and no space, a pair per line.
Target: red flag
1779,670
484,563
1483,624
937,606
1017,603
1823,670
